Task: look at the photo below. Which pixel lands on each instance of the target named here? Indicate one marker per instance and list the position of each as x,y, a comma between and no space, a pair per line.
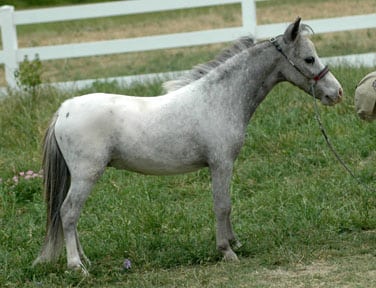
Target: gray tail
56,186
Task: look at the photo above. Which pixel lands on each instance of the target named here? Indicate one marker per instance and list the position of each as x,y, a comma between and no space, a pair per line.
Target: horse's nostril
340,92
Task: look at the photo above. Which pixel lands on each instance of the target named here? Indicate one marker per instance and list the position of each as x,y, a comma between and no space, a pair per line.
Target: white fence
11,55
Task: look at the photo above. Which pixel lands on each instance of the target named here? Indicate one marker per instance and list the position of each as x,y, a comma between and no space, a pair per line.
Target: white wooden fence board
336,24
132,45
343,23
356,60
366,60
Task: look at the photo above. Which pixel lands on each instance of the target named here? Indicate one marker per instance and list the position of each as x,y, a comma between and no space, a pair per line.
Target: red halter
321,74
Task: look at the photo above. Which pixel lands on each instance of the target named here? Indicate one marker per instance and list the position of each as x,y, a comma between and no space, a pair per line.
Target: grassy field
303,221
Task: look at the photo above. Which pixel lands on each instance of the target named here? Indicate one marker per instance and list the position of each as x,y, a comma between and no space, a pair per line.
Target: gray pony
200,122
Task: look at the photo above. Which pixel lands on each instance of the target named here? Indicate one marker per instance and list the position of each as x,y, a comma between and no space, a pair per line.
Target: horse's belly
153,167
151,150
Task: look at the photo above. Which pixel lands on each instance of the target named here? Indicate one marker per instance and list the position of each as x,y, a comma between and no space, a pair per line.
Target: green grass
293,204
294,207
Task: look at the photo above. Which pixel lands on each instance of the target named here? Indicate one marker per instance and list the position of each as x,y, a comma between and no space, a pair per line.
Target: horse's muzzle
331,100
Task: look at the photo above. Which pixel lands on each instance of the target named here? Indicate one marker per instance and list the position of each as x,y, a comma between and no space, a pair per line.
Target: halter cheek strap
316,78
321,74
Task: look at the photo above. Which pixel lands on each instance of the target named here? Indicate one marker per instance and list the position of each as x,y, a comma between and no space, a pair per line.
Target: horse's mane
201,70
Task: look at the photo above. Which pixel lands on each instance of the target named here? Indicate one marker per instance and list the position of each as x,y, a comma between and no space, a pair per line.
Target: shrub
29,75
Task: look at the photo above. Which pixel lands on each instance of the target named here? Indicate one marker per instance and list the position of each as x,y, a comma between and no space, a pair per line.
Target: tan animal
365,97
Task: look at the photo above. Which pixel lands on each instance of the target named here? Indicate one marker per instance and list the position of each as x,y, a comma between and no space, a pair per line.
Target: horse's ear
292,32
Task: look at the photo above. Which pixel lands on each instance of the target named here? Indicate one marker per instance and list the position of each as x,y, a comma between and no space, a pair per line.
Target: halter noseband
316,78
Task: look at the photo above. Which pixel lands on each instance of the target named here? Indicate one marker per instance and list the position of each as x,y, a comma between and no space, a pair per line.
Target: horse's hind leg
81,251
70,212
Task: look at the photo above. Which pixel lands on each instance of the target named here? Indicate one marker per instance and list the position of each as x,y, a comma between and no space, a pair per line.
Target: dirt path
354,271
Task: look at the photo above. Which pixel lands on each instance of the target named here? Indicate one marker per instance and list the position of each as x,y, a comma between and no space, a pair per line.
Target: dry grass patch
129,63
354,271
130,26
274,12
350,271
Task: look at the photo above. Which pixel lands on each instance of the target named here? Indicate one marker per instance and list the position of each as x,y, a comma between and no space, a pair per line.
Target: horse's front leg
221,178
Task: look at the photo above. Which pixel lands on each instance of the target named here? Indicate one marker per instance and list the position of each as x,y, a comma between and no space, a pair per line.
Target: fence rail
11,55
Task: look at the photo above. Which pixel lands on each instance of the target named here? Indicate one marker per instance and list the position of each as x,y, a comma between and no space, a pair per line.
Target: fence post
249,17
9,41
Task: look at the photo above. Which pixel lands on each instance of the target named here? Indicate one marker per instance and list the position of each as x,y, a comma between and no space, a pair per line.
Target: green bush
29,75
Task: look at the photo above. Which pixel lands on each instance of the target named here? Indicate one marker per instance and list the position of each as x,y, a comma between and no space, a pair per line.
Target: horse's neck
243,82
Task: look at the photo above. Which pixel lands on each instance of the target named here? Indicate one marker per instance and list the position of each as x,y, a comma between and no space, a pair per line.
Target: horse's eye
310,60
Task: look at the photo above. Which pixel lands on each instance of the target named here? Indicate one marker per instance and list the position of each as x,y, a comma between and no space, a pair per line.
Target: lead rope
316,78
331,147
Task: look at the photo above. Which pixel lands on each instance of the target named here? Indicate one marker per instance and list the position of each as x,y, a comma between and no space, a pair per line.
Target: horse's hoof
79,268
86,260
230,256
84,271
235,244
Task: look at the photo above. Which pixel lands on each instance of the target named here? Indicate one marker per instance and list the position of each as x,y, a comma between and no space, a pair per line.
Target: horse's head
301,66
